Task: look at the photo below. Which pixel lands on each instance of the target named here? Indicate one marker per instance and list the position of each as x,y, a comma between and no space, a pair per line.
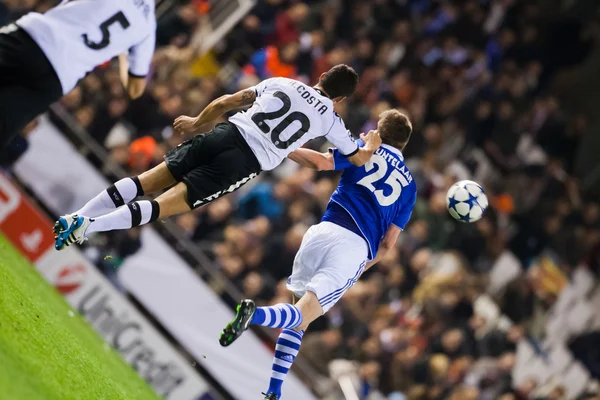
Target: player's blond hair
395,128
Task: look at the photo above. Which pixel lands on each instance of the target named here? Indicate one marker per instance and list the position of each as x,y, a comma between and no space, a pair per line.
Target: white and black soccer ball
466,201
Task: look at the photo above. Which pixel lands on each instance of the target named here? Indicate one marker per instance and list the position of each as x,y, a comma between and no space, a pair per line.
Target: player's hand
372,140
185,124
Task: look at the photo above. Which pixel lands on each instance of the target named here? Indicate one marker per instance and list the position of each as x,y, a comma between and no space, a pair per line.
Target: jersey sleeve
262,86
340,161
403,216
341,138
140,57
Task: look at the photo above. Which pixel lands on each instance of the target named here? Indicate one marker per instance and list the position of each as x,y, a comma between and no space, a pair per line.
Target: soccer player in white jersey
284,114
369,208
43,56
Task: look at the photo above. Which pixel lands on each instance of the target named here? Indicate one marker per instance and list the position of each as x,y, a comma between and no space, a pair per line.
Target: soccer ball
466,201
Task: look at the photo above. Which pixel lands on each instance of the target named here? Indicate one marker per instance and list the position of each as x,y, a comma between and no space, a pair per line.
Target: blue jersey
370,198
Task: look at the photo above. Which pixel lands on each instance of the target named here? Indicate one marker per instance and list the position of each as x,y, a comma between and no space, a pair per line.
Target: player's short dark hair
339,81
394,128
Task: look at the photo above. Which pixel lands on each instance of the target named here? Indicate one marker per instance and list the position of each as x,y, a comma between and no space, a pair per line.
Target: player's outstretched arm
386,244
363,155
214,110
313,159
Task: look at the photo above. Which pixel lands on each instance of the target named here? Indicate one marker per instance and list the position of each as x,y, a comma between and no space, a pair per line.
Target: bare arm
214,110
324,161
225,104
313,159
135,86
387,243
124,69
363,155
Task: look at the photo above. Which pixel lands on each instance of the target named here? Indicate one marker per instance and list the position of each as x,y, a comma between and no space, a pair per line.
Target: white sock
117,195
134,214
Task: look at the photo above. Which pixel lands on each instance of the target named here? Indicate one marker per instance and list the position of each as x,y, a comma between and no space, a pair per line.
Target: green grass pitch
47,354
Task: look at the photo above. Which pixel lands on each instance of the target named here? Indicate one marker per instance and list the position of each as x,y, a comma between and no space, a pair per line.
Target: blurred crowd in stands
475,78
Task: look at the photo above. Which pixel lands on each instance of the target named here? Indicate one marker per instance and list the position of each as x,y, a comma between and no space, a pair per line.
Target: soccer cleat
74,233
271,396
64,223
241,322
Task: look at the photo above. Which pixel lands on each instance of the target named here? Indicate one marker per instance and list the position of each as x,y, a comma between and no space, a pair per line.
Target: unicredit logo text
127,337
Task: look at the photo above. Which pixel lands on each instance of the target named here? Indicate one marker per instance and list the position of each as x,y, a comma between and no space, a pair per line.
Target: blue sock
278,316
288,345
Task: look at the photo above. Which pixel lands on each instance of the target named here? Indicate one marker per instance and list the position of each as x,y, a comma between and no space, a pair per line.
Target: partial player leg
288,344
117,195
111,199
310,308
293,319
127,190
207,167
279,316
186,160
138,213
323,273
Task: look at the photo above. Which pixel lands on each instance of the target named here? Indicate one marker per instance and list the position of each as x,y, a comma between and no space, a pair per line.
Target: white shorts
330,260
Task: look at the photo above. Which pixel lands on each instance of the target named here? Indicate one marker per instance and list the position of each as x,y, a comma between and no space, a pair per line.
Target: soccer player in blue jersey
364,217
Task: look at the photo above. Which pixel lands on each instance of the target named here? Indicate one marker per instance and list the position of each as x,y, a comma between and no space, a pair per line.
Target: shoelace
71,239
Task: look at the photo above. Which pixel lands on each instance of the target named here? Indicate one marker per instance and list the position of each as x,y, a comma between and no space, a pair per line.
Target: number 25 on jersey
393,184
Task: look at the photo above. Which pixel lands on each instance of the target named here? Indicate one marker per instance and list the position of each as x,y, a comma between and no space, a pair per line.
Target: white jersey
286,115
76,36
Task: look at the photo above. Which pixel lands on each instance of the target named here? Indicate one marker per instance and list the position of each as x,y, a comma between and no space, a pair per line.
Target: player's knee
310,308
302,327
156,179
307,318
173,201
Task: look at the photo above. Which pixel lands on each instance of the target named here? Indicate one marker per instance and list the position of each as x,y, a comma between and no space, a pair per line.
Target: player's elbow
325,162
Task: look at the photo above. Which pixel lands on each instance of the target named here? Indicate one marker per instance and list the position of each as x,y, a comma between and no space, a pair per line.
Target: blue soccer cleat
70,229
63,223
